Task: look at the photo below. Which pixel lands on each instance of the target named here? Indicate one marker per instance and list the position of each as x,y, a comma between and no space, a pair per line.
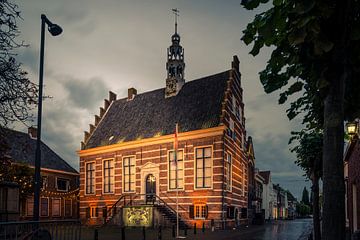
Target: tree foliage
316,56
21,174
305,197
309,152
305,42
17,93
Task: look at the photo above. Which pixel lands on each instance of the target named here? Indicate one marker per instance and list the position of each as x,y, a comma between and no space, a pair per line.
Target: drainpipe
223,185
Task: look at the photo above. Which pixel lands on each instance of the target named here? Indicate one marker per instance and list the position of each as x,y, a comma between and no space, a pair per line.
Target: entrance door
150,188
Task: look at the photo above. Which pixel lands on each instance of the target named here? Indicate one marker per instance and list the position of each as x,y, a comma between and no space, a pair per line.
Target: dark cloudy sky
117,44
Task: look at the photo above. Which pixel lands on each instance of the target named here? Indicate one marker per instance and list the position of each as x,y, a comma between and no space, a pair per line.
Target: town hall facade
127,157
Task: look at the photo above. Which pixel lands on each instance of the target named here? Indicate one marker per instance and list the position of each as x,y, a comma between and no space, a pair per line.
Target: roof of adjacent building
197,106
22,150
266,176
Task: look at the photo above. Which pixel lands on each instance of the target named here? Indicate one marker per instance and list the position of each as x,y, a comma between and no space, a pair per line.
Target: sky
118,44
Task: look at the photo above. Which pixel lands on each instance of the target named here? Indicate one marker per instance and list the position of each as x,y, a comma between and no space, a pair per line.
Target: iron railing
34,230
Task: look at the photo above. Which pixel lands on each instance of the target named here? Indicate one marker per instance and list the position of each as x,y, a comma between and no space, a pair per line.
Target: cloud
85,93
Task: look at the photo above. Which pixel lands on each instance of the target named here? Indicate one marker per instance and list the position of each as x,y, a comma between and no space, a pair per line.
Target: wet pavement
276,230
279,230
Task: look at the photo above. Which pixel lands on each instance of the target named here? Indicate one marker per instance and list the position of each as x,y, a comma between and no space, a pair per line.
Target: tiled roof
197,106
23,147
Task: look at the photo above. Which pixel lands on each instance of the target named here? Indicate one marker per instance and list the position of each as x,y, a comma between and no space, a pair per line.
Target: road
280,230
277,230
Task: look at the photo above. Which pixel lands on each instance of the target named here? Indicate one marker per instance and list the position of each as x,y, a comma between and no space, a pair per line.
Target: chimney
112,96
32,131
131,93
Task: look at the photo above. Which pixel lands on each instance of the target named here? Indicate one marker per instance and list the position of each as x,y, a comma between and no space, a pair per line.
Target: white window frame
111,177
67,184
123,174
52,207
228,164
202,211
183,171
93,178
93,210
32,204
211,166
71,213
48,207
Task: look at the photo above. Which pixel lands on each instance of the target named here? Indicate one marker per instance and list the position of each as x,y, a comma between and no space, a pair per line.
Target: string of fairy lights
70,194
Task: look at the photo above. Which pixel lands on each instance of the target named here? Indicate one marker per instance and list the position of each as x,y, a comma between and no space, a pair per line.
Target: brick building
352,181
129,152
60,182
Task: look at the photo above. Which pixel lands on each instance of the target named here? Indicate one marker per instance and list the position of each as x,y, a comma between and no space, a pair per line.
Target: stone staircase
113,215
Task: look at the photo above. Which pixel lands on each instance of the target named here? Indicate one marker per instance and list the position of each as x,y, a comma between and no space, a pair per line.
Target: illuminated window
228,161
200,211
30,206
44,207
179,166
93,212
90,178
108,176
56,207
203,168
129,174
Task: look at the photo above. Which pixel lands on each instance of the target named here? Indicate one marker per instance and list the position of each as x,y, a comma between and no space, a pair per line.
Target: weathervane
176,13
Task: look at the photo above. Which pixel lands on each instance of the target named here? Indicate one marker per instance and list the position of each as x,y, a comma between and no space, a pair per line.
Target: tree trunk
316,208
333,224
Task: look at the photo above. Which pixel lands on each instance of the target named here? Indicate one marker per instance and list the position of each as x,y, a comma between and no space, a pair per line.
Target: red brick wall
354,179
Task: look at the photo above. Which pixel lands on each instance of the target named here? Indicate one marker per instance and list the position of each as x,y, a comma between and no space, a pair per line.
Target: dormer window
62,184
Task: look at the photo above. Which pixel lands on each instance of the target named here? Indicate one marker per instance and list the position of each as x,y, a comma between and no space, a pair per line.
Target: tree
309,158
305,197
21,174
317,55
17,93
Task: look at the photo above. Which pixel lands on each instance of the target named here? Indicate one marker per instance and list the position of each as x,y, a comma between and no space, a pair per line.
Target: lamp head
351,128
55,29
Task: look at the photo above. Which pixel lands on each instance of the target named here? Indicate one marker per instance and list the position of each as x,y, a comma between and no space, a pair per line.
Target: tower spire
175,64
176,13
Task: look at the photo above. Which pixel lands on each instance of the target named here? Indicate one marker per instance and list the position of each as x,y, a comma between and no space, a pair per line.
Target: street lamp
55,30
352,128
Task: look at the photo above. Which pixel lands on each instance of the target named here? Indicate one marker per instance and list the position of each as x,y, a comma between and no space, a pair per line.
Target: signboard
139,216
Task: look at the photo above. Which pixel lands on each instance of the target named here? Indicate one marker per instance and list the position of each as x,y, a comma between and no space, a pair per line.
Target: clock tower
175,64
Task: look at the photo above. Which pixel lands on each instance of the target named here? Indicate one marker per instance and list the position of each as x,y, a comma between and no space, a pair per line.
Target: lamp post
55,30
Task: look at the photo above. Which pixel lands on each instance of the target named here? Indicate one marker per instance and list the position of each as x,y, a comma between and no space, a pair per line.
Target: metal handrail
160,200
111,209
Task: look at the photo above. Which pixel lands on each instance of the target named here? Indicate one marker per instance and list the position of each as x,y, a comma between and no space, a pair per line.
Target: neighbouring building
127,158
60,182
269,197
352,181
292,201
282,202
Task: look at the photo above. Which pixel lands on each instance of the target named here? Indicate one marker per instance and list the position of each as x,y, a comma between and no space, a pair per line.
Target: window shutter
191,211
105,212
206,211
96,212
87,212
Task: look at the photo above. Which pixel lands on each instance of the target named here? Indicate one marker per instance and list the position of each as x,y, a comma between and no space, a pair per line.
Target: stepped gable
22,149
197,106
